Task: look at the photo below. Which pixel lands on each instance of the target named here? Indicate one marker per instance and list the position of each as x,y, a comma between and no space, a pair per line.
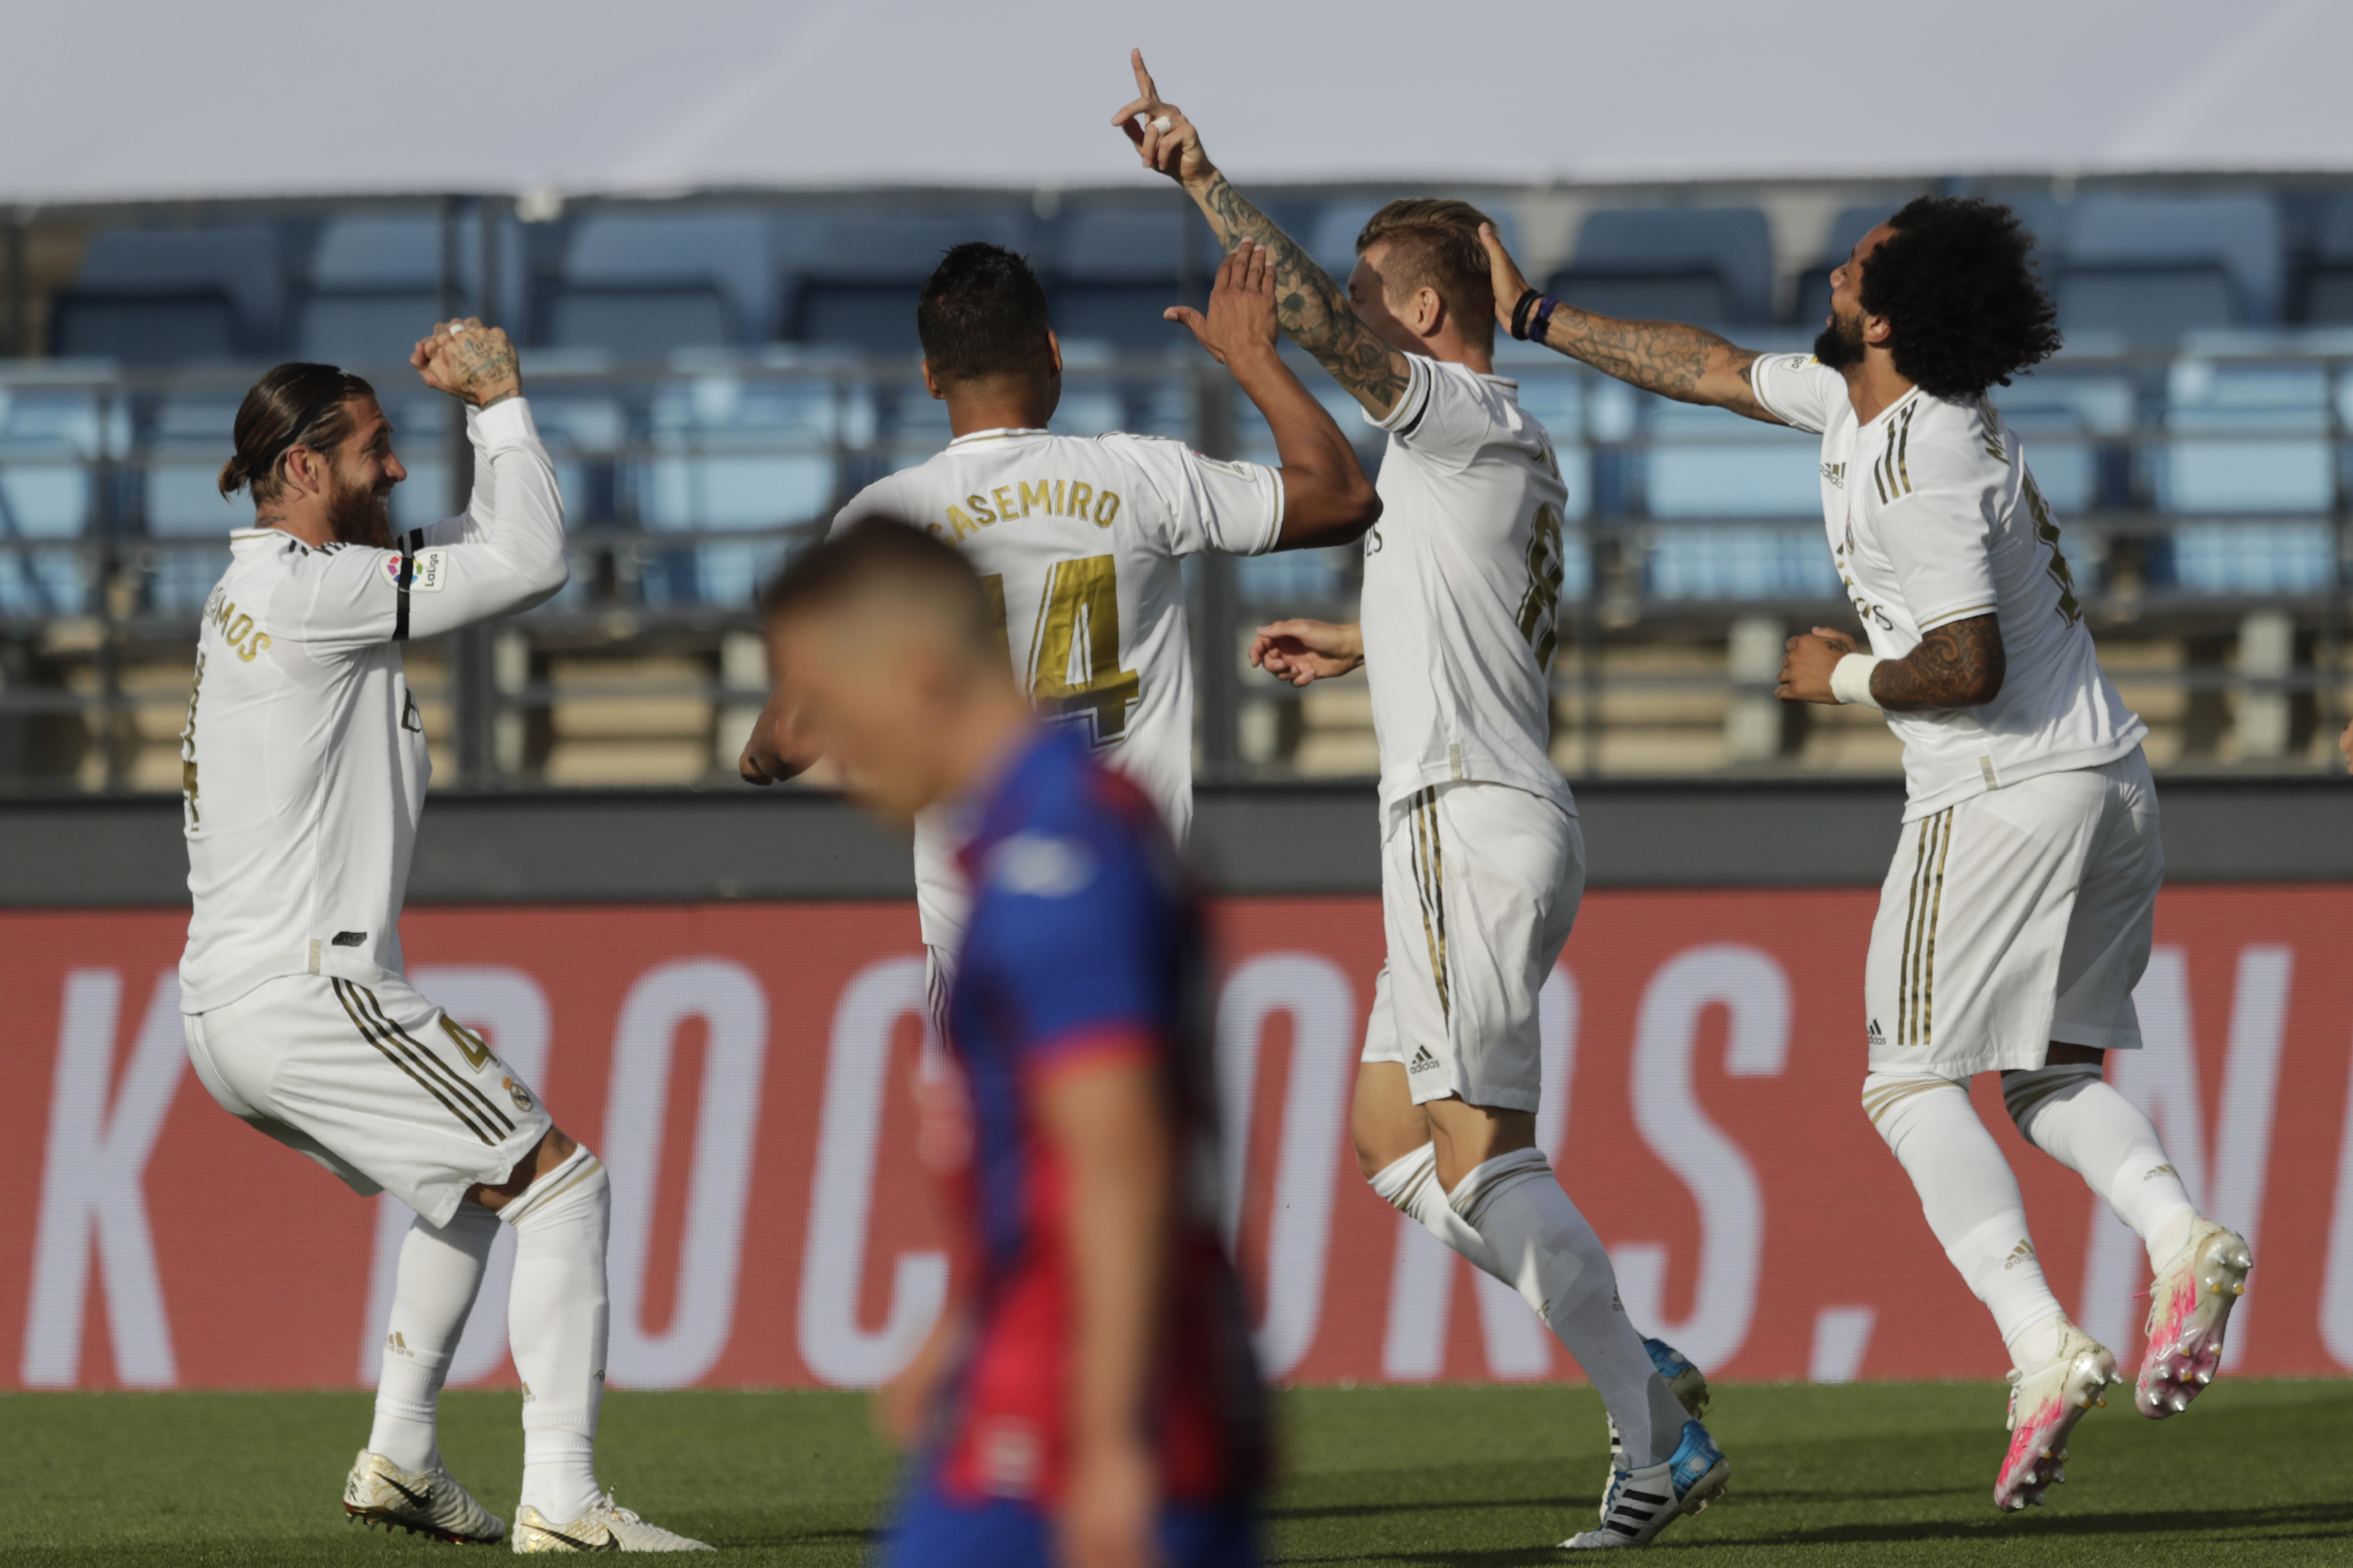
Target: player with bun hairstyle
303,768
2017,916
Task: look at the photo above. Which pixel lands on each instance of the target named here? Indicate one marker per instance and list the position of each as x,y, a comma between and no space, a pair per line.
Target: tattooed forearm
1958,665
1312,311
1689,364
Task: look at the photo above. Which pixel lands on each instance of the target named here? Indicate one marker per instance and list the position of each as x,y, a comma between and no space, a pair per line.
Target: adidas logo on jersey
1422,1061
2022,1253
1835,473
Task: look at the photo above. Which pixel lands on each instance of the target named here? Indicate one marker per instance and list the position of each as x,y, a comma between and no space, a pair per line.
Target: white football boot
1684,1381
607,1527
422,1502
2188,1307
2045,1402
1643,1502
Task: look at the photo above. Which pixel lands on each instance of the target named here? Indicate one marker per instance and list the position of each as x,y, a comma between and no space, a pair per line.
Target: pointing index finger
1143,76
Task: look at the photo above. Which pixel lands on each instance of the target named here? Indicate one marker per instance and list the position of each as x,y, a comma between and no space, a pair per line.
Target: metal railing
687,482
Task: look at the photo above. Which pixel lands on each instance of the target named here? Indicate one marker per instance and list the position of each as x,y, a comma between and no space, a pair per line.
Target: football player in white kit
304,771
1482,863
1080,540
2017,916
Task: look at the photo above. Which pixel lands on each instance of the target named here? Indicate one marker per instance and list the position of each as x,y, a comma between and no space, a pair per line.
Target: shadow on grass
1445,1505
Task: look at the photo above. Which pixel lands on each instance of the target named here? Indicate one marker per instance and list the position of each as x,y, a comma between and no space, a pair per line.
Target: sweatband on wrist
1520,314
1851,679
1541,321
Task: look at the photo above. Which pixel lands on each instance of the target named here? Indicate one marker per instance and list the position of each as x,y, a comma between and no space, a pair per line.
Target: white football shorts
373,1082
2013,919
1480,884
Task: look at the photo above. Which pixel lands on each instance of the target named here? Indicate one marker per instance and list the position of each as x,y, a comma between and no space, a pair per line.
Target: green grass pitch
1488,1477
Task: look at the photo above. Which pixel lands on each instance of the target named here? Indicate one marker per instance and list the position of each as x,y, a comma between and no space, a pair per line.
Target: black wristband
1541,322
1519,315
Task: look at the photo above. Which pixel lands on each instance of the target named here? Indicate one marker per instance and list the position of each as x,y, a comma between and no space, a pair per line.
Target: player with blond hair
1482,864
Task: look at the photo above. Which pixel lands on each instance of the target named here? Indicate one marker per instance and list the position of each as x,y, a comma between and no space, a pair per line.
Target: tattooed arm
1312,311
1958,665
1689,364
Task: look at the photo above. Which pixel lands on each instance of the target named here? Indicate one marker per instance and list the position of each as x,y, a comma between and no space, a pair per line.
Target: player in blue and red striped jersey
1092,1399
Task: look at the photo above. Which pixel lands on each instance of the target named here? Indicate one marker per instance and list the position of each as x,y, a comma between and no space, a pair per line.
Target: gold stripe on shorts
1917,965
465,1086
344,991
1429,884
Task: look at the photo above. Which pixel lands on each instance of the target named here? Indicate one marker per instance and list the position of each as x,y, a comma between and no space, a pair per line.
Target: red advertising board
749,1073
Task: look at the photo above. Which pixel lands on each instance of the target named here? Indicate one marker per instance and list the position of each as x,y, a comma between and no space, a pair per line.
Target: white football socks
1968,1193
1411,1185
1545,1250
2077,1118
433,1290
557,1316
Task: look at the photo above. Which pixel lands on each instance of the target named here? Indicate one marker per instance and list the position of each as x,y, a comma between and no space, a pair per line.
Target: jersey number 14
1073,670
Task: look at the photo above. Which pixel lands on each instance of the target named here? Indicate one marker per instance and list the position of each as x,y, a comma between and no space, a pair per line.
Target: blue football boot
1640,1503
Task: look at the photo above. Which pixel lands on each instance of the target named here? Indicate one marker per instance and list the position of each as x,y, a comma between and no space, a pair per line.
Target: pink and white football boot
2045,1402
2188,1307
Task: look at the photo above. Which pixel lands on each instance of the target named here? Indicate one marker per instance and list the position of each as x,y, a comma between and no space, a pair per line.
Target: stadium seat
1115,270
1709,266
2061,418
2329,283
640,285
190,438
2246,438
858,292
2152,268
1751,560
734,453
2252,558
375,287
1704,462
157,295
49,434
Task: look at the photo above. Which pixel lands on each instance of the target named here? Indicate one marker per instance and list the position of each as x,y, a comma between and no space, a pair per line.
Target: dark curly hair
1964,309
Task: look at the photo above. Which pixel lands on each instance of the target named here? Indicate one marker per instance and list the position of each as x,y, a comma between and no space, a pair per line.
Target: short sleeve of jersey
1440,414
1797,389
873,501
1940,544
1211,504
352,599
1078,940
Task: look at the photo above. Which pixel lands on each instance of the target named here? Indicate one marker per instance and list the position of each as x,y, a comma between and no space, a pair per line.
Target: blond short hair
1433,243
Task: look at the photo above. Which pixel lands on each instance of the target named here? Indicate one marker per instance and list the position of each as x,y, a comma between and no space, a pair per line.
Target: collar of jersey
1889,409
1003,435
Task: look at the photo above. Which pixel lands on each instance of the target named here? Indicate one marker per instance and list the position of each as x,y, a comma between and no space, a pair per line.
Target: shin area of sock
437,1277
557,1323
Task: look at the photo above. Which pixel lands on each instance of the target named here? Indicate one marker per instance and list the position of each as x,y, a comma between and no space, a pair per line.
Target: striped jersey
303,764
1933,518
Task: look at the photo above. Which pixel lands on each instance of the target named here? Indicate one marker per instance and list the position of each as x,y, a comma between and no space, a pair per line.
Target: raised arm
1312,311
1326,498
1689,364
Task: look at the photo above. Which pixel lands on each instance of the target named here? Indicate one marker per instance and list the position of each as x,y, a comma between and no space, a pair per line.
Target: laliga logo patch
428,570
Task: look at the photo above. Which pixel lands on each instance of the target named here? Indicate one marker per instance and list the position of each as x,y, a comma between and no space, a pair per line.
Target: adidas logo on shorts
1877,1037
1422,1061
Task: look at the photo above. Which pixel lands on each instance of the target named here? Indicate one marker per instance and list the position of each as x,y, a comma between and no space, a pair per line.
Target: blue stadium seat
2152,268
1114,270
375,288
857,291
2246,438
732,453
157,295
424,423
2246,558
640,285
2329,283
1748,561
2060,417
190,438
1704,462
1556,396
1709,266
49,436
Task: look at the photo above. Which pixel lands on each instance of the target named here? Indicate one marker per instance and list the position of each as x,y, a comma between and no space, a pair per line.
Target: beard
358,515
1840,345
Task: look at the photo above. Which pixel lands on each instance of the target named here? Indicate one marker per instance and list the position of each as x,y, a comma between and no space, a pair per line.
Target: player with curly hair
2017,916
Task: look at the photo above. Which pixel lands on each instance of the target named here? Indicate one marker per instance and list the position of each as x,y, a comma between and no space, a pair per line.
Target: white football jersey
1461,588
1934,517
1079,539
303,765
